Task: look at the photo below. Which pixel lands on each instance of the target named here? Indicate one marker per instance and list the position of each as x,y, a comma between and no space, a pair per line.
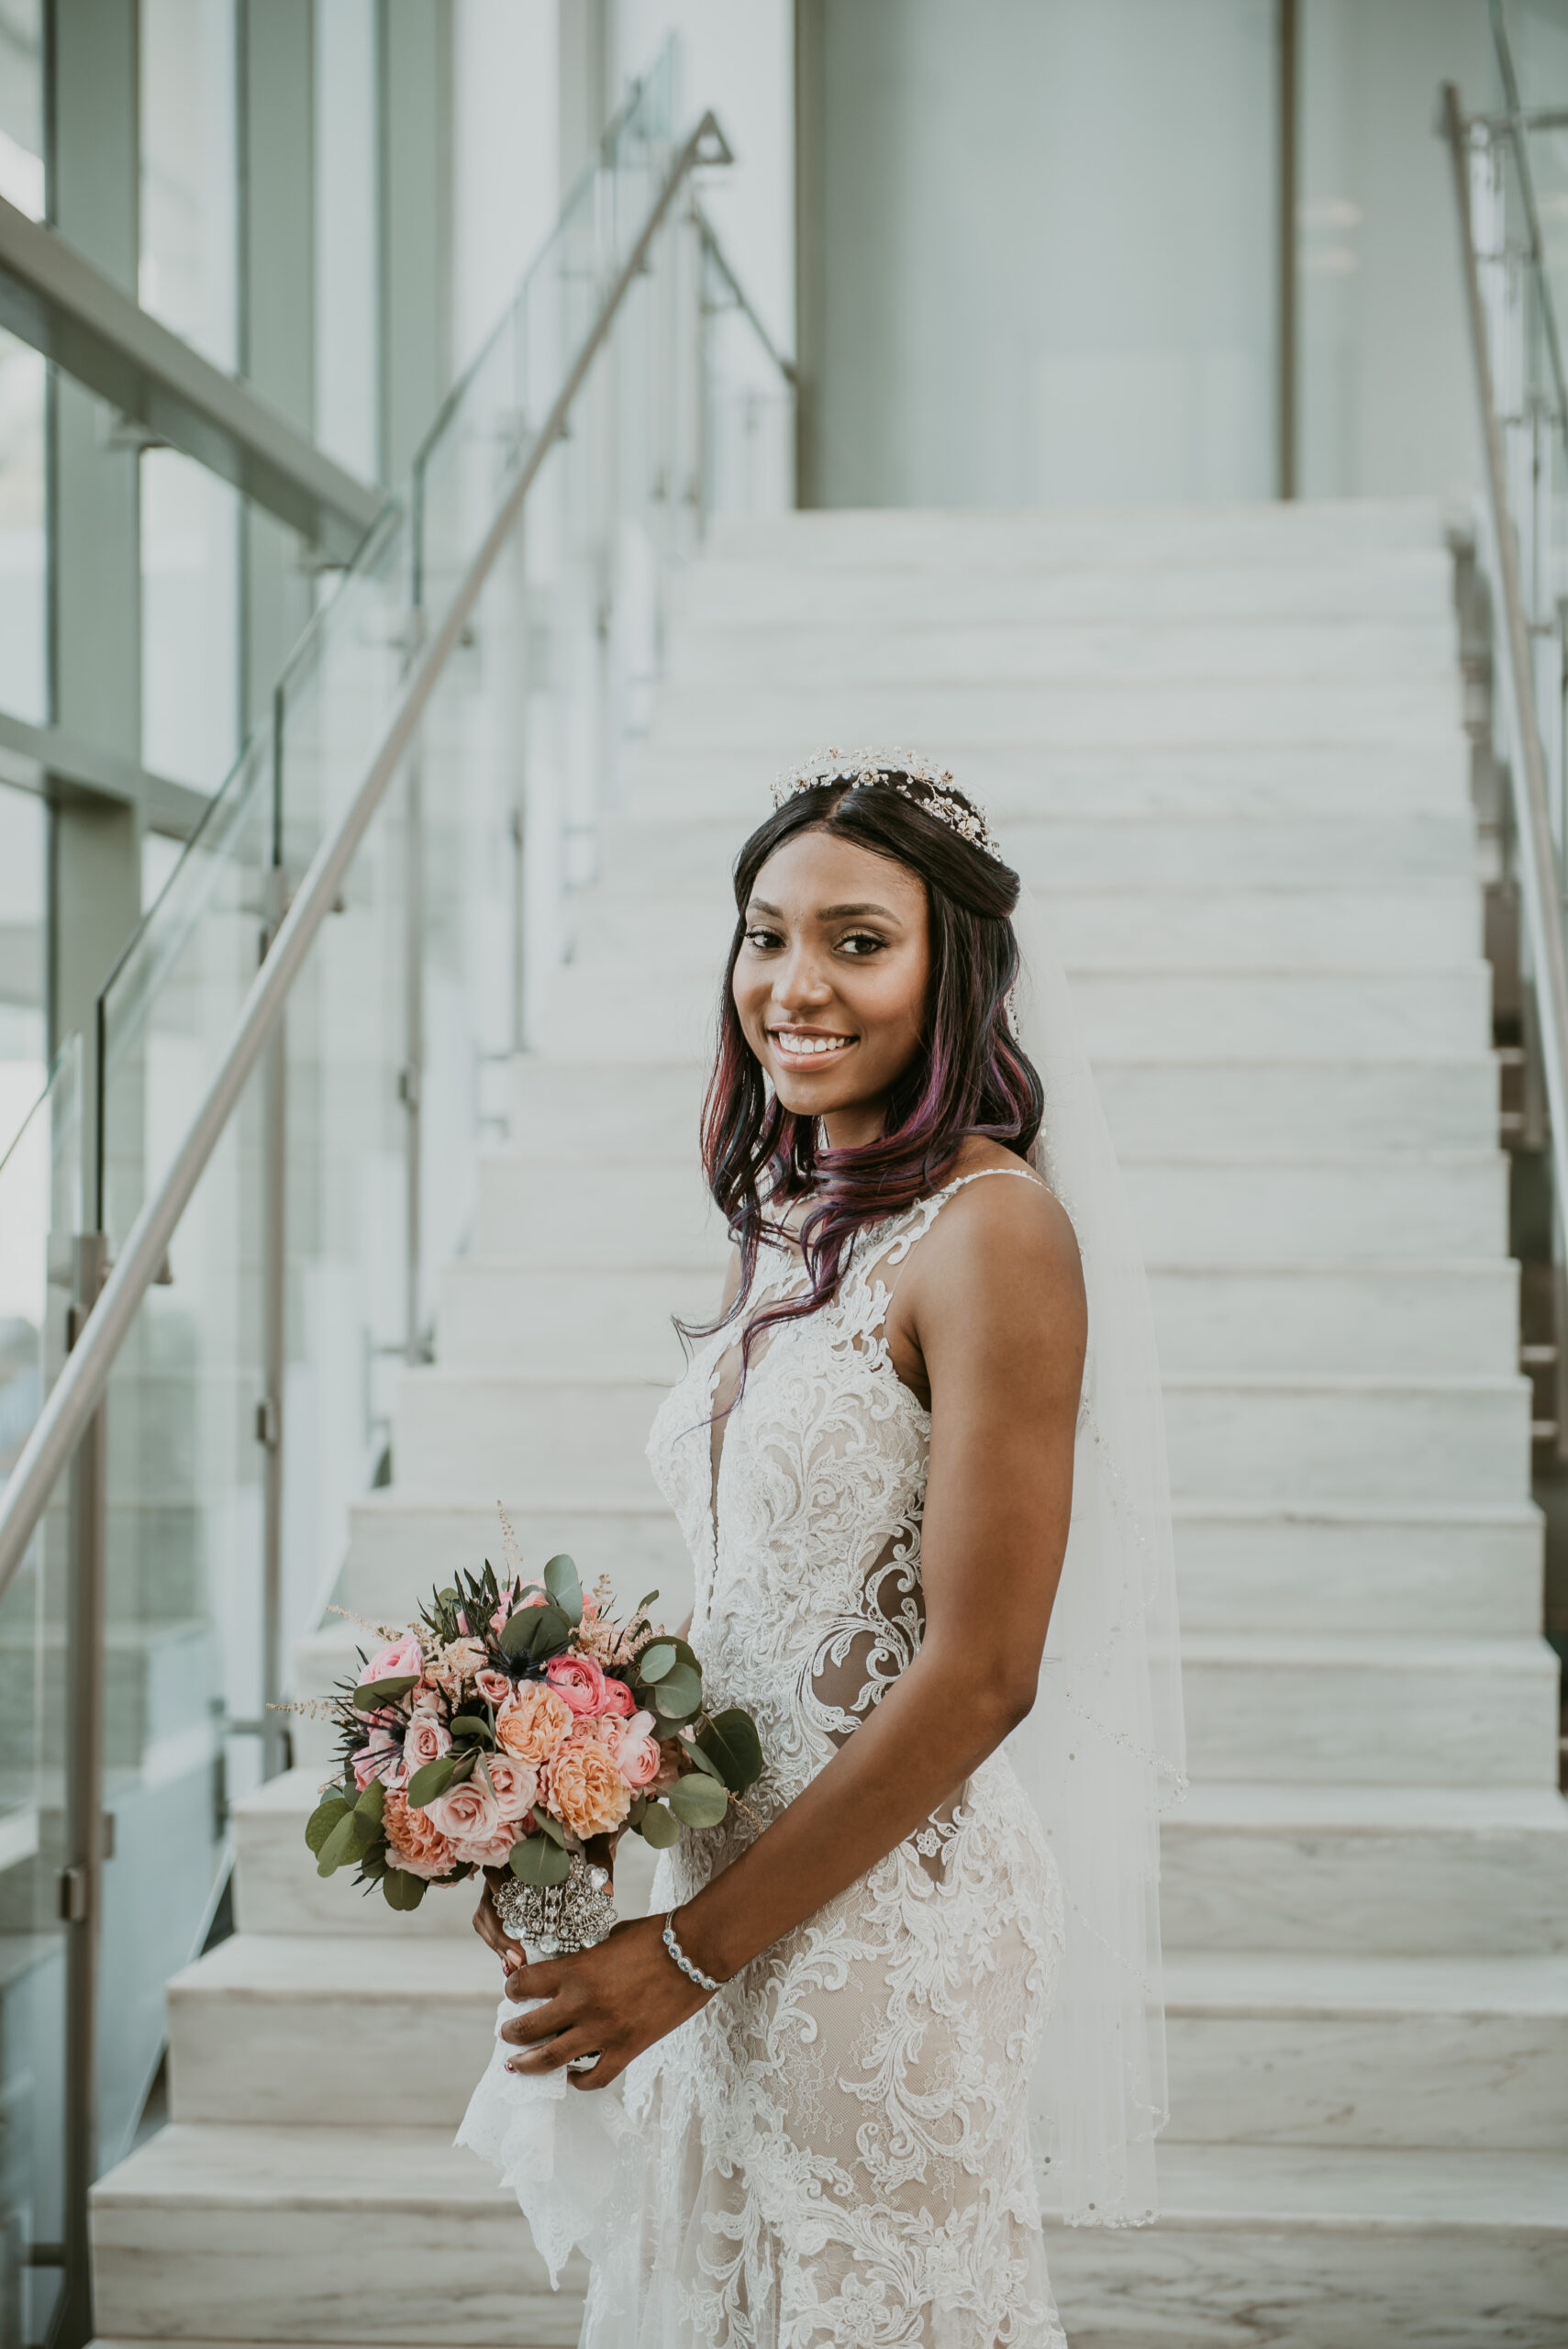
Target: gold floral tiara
895,770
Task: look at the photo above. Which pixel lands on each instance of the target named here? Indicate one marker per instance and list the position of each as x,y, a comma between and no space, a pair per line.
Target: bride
838,2031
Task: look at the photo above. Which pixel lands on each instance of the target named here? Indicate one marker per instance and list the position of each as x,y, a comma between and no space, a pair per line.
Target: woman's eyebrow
838,913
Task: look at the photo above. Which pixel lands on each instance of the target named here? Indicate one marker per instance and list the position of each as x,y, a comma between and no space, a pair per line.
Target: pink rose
514,1782
425,1740
427,1699
494,1852
581,1681
618,1704
637,1752
396,1663
493,1687
379,1760
465,1814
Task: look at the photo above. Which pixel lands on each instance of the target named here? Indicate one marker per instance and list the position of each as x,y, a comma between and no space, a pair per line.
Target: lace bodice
842,2149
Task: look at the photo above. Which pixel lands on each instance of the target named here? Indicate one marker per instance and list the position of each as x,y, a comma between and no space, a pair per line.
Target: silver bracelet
695,1973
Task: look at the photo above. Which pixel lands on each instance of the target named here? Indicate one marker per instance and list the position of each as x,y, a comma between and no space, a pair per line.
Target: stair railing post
80,1882
411,1085
275,1295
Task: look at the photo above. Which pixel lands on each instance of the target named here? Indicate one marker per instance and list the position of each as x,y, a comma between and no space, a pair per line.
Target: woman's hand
613,2000
488,1925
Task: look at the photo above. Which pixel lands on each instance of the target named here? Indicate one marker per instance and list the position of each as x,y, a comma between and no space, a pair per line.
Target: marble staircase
1226,747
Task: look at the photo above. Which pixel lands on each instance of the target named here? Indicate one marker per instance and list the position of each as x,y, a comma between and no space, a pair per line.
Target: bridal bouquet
510,1725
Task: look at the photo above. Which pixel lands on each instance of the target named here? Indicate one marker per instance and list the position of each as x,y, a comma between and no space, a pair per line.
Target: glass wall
189,518
23,622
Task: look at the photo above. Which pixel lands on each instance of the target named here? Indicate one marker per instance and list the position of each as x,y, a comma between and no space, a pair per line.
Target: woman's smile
809,1047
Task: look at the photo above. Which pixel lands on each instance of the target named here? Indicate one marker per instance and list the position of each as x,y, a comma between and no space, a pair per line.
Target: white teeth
800,1045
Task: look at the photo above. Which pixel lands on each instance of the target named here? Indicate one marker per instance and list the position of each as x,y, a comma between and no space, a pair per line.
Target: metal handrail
52,297
82,1381
1542,886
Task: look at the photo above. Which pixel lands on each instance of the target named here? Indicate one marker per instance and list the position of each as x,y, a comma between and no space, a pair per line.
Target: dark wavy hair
971,1075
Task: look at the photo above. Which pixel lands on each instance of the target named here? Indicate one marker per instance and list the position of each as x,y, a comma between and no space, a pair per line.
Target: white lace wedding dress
837,2147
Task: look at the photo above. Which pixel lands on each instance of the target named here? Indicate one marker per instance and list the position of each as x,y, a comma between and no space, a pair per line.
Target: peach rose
465,1814
514,1782
412,1843
492,1685
617,1703
425,1740
636,1752
581,1681
586,1787
534,1723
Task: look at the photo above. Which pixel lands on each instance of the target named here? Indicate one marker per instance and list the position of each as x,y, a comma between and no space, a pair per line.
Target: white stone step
1190,1015
1288,2247
1448,2053
240,2232
1245,1437
782,722
631,1212
1079,537
401,1546
1104,853
1352,1870
1246,1110
1298,2247
306,2028
1272,1437
1265,2048
501,1313
1437,1318
1307,1564
1414,586
945,650
1432,927
1370,1710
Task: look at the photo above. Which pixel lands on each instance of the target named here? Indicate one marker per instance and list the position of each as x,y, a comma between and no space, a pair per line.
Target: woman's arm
990,1316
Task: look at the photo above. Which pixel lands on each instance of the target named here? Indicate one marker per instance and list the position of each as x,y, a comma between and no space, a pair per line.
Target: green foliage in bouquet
511,1724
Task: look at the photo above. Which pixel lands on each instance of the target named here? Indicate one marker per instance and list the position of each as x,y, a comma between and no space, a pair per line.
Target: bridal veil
1103,1752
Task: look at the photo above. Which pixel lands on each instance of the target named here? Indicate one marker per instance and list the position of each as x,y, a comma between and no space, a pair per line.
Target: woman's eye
861,942
762,939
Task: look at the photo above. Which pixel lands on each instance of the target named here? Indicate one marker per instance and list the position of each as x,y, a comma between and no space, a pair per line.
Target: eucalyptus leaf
339,1844
730,1741
371,1695
432,1779
701,1761
552,1630
657,1827
646,1600
323,1820
699,1801
536,1860
372,1801
564,1585
400,1890
655,1661
679,1693
516,1632
470,1725
547,1826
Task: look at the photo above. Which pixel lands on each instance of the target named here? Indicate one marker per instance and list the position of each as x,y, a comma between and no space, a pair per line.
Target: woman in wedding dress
834,2029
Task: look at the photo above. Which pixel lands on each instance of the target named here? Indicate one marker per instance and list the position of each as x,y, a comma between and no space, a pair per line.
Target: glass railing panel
41,1190
183,1581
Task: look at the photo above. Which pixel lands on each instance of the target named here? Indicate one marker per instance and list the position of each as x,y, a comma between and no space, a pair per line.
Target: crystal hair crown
895,770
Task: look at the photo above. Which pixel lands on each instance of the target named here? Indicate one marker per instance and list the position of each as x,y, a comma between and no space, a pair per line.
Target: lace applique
838,2150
